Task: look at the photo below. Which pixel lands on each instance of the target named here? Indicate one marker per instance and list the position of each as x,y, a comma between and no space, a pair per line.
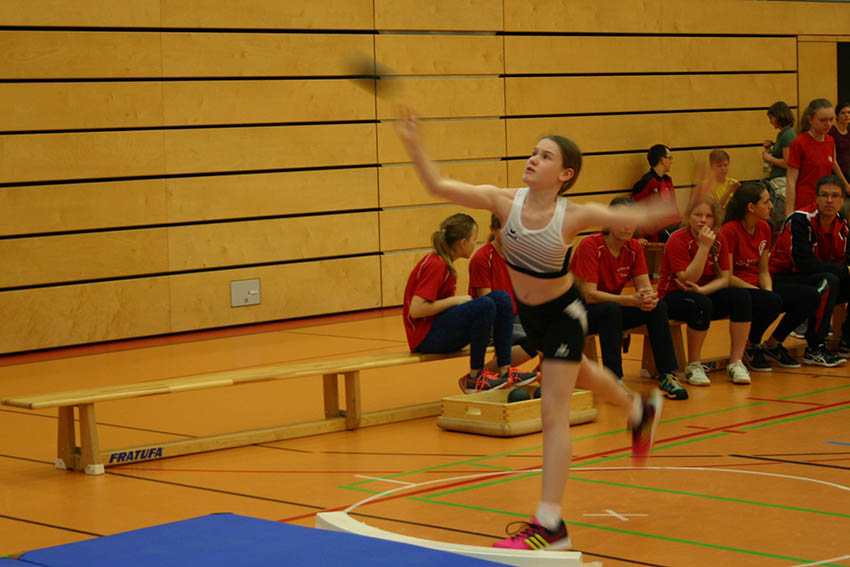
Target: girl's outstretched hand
407,125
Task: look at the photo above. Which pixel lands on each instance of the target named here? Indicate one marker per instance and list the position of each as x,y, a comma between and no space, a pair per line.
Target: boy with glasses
813,249
657,182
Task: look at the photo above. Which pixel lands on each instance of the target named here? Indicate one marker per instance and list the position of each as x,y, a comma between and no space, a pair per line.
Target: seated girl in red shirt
695,284
488,272
748,235
438,321
605,262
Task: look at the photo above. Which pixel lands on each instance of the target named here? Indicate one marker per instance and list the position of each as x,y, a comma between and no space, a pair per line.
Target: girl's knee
501,299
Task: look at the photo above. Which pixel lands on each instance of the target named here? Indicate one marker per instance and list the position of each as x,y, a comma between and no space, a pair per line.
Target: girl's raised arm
649,213
474,196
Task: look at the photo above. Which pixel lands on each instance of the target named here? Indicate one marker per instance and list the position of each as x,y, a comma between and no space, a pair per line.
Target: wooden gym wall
153,151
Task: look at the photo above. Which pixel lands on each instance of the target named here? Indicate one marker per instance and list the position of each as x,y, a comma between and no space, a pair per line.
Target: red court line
586,457
785,401
291,471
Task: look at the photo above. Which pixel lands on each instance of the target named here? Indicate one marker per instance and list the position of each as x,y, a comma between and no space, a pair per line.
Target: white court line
384,479
579,469
609,513
824,561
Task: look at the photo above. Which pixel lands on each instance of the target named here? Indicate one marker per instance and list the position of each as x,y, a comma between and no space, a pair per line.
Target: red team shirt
595,263
746,248
816,159
488,269
431,280
678,253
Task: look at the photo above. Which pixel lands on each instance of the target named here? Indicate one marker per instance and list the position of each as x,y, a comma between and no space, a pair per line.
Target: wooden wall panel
577,16
470,15
411,227
444,97
754,17
247,102
604,133
616,93
75,314
67,54
400,185
55,208
75,257
60,106
439,54
259,55
650,54
617,172
95,13
202,300
254,242
818,77
49,157
272,147
267,194
447,140
268,14
396,267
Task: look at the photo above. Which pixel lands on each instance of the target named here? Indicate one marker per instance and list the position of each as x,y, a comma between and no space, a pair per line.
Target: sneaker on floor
532,536
780,356
669,384
820,356
643,434
844,349
485,380
754,357
518,378
695,375
738,373
800,331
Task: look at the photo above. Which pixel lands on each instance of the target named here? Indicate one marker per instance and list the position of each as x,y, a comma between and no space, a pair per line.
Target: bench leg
90,460
330,383
67,444
590,350
353,411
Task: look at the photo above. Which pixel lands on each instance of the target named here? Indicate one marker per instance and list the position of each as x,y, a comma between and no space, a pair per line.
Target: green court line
641,534
486,466
710,496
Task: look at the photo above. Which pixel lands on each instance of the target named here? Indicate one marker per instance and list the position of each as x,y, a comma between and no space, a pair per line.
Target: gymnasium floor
740,476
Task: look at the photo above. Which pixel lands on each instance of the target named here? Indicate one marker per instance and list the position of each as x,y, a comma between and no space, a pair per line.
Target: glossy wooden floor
740,476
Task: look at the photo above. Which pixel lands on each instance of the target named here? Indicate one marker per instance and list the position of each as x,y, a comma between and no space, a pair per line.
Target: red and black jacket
804,247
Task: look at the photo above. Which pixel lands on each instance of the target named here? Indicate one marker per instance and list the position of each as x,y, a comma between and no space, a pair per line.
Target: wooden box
489,413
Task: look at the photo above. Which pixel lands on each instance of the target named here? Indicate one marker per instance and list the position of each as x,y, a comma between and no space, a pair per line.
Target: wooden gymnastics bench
647,357
90,458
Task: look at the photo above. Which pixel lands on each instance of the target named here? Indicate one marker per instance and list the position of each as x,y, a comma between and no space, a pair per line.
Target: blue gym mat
230,539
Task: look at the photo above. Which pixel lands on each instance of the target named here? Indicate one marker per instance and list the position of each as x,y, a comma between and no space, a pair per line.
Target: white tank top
541,253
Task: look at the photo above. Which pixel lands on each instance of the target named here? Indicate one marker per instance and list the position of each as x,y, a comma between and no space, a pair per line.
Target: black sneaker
669,384
844,349
820,356
800,331
780,356
754,357
485,380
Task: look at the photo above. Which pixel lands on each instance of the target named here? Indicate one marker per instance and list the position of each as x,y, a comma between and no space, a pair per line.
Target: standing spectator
841,135
722,186
776,154
657,182
812,155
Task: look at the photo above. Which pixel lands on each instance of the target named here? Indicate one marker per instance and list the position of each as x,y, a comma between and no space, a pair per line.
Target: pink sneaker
643,434
534,536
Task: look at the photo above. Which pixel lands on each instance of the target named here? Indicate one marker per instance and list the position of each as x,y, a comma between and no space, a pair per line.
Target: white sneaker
695,375
738,373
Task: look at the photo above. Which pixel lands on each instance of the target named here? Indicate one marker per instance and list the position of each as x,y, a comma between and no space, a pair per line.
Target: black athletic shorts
557,327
